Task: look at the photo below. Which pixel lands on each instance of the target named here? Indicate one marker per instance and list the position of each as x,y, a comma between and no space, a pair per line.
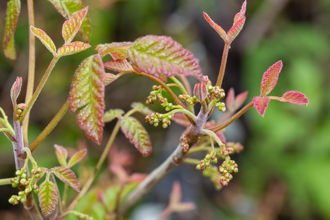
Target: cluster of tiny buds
27,183
190,100
225,151
216,92
206,162
156,94
226,169
156,118
184,143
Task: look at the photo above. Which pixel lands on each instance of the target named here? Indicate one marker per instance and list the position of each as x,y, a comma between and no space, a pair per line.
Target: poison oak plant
158,58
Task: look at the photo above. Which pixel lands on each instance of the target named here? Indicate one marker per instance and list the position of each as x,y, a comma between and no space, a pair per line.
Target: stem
18,146
191,161
233,118
31,73
96,169
5,181
183,90
198,149
167,212
223,65
39,87
185,83
65,193
213,135
184,111
50,127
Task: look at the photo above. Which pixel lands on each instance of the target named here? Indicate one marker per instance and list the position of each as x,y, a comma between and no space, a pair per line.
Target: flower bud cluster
184,143
226,169
206,162
157,94
156,118
213,174
28,184
190,100
217,94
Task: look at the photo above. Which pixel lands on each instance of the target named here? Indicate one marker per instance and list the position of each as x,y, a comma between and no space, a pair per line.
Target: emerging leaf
216,27
162,56
295,97
136,134
261,103
72,25
15,91
77,157
233,103
119,65
109,78
67,176
241,13
112,114
87,96
117,50
72,48
61,154
12,14
48,197
141,108
235,30
200,91
270,77
45,39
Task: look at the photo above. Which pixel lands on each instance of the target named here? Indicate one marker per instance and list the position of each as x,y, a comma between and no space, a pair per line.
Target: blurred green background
285,166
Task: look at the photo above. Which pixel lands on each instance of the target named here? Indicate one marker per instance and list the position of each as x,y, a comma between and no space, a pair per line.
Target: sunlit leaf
72,48
117,50
216,27
235,30
72,25
136,134
141,108
118,65
61,154
48,197
261,103
67,176
77,157
12,14
295,97
162,56
87,96
112,114
270,77
45,39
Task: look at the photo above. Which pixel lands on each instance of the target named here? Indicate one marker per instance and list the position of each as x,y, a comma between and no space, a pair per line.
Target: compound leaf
112,114
61,154
121,65
117,50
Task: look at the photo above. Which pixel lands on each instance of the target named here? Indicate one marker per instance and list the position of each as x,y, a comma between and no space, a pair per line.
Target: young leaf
72,25
15,91
45,39
109,78
12,14
61,154
270,77
136,134
67,176
48,197
235,30
161,55
295,97
216,27
261,103
87,96
77,157
67,8
72,48
117,50
241,13
119,65
233,103
240,99
141,108
112,114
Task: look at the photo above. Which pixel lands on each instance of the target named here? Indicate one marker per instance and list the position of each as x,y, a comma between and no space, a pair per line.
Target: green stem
223,65
213,136
39,87
50,127
184,111
186,83
96,169
199,149
65,194
5,181
191,161
183,90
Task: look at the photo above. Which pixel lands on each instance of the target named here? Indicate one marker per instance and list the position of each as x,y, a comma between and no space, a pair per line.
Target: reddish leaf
87,95
240,99
230,100
200,91
136,178
162,56
48,197
77,157
72,48
12,14
117,50
72,25
61,154
235,30
109,78
119,65
15,91
295,97
45,39
67,176
120,172
270,77
136,134
261,103
241,13
216,27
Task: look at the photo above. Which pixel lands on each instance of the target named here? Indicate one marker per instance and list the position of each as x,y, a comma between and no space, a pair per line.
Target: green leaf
136,134
48,197
67,176
161,55
72,48
117,50
12,14
73,24
61,154
141,108
77,157
45,39
87,97
67,8
112,114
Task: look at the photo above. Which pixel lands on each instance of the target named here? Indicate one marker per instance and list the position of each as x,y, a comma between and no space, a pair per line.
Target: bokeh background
285,166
